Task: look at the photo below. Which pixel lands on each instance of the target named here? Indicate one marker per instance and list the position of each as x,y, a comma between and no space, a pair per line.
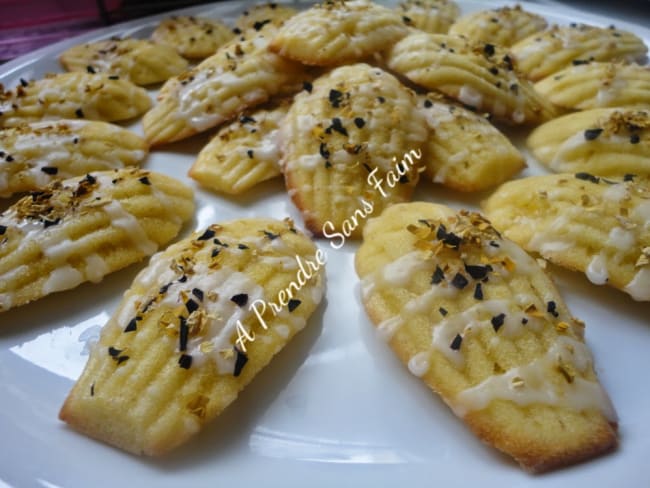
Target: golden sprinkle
532,311
198,405
517,382
509,264
644,258
206,347
562,326
227,353
567,371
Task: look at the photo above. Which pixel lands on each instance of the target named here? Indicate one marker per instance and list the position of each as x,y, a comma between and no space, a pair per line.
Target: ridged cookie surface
503,26
598,85
434,16
263,16
192,37
83,228
337,32
481,323
545,53
478,75
351,146
242,74
581,222
242,153
175,352
36,154
138,60
464,151
604,142
72,96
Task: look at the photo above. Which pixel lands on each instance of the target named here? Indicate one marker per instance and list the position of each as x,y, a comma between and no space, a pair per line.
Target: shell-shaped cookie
337,32
351,146
544,53
464,151
503,26
240,75
582,222
265,15
481,323
598,85
242,153
72,96
604,142
192,37
478,75
34,155
193,330
83,228
138,60
434,16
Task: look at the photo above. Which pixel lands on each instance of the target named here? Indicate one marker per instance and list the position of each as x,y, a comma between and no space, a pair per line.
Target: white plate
334,407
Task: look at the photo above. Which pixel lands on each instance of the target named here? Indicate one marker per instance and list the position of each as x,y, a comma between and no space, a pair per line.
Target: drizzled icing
532,384
529,311
62,145
56,245
624,240
216,301
218,81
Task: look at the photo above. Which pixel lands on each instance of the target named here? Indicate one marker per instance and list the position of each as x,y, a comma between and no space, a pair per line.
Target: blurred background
26,25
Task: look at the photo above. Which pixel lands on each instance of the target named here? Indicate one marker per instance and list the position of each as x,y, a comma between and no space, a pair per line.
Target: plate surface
336,407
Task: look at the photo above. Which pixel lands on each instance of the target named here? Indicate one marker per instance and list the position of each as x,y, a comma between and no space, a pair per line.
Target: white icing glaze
388,327
124,220
282,330
639,287
400,271
58,248
223,316
96,268
529,384
621,239
469,96
597,270
419,364
479,315
6,301
62,278
641,213
616,193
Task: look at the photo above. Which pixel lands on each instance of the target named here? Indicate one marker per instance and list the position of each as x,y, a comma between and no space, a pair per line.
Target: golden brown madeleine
72,96
478,75
481,323
350,146
242,153
338,32
193,330
503,26
83,228
544,53
434,16
598,85
192,37
262,16
464,151
34,155
582,222
138,60
242,74
602,141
